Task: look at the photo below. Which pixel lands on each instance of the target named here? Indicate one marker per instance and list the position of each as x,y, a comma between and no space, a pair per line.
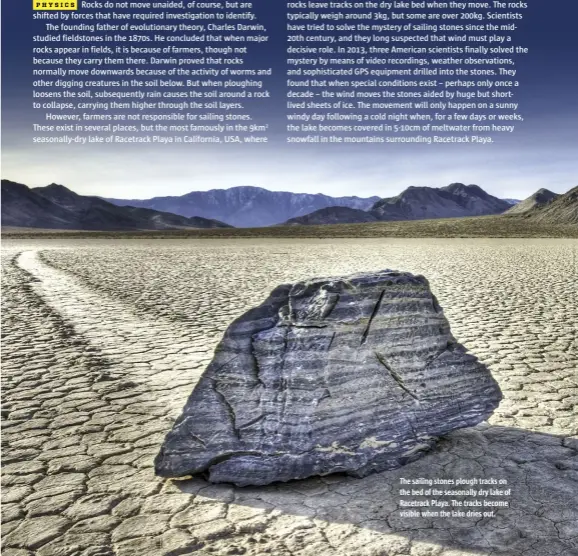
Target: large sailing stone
353,374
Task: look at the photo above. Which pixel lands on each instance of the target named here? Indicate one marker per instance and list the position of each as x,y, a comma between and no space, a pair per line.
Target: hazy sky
542,153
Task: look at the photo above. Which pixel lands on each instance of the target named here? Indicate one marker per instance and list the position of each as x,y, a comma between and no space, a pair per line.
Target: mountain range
247,206
55,206
416,203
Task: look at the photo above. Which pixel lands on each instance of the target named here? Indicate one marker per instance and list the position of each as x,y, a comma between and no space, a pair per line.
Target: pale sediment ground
104,340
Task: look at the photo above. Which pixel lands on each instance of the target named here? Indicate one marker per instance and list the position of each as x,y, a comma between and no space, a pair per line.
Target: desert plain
104,339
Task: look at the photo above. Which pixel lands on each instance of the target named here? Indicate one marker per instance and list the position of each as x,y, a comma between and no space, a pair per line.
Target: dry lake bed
103,341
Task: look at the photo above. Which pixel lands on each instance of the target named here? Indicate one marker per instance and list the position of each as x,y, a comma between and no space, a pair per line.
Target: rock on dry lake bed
354,374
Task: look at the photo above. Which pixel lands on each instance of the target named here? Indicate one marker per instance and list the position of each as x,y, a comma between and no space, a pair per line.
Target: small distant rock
354,374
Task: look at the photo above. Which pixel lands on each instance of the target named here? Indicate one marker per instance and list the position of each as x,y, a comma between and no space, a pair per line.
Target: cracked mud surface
104,340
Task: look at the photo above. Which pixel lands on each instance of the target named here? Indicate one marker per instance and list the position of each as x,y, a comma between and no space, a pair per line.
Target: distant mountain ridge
247,206
416,203
424,203
57,207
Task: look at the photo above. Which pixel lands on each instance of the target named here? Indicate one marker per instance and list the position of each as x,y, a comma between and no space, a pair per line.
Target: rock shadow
540,469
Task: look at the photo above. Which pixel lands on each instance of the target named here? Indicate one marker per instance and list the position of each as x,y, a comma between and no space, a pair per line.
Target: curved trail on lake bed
157,351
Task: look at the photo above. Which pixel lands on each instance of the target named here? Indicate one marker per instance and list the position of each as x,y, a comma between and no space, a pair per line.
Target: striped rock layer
355,374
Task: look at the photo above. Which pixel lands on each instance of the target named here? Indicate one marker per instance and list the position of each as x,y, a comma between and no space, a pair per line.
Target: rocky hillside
333,215
247,206
57,207
539,199
455,200
562,210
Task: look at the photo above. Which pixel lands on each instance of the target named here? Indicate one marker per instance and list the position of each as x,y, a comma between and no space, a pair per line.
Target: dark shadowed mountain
55,206
22,207
563,209
247,206
455,200
332,215
539,199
